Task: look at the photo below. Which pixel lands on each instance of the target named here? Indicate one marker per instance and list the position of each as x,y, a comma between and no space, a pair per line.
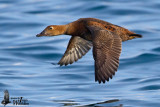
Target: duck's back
120,31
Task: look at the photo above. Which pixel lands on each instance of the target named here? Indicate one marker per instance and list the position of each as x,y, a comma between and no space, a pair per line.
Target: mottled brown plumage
106,39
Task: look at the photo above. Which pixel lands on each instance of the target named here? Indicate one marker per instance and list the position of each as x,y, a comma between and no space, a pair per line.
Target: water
25,61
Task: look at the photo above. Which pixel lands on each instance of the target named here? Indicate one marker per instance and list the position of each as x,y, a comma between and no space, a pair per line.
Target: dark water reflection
100,104
26,67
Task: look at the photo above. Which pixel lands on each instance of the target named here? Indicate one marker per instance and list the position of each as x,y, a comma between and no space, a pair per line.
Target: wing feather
77,47
106,53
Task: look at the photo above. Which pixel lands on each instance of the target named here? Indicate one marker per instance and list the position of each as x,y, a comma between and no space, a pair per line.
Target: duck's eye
51,28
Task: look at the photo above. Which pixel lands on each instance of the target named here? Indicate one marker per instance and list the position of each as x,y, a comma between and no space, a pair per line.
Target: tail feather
136,35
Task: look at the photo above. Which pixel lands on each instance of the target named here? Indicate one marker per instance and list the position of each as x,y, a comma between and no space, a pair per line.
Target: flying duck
105,38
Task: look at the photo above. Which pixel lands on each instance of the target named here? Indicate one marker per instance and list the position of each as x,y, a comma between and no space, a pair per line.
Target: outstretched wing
106,53
77,47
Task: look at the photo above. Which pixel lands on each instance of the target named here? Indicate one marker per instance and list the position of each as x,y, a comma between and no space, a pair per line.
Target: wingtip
60,64
102,81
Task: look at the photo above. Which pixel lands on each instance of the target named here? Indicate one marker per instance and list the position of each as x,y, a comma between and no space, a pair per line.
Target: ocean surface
25,60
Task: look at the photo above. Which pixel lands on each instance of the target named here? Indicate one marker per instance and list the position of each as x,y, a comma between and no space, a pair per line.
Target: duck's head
52,30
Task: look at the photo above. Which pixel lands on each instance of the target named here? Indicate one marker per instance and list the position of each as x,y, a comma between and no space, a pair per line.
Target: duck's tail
132,36
136,35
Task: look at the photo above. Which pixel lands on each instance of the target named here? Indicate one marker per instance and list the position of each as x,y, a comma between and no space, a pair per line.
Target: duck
105,38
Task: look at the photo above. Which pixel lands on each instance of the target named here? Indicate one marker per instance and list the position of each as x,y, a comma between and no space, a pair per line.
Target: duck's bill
38,35
41,34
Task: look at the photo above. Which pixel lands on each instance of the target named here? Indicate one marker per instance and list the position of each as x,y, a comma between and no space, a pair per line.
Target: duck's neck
71,29
68,29
63,29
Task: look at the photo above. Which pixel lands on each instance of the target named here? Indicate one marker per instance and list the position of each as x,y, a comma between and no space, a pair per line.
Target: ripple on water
129,12
41,11
31,48
9,1
73,76
5,59
3,85
97,8
8,72
39,55
157,49
6,18
150,80
149,87
142,58
130,80
18,25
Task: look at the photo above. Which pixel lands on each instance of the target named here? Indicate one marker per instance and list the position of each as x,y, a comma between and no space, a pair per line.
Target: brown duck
106,39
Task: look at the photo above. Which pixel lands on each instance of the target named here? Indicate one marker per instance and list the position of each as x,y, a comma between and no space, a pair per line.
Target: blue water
25,61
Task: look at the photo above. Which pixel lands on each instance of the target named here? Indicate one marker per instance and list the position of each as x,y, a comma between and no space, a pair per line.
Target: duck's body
79,28
105,38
